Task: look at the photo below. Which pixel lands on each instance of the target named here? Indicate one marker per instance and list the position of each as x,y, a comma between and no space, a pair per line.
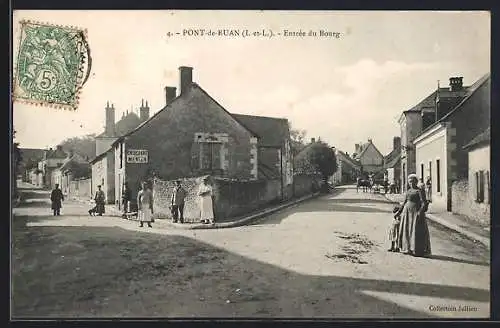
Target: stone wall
162,193
80,189
303,184
232,198
463,203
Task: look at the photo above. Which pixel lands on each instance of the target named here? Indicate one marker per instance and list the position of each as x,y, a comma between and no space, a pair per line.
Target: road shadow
149,275
457,260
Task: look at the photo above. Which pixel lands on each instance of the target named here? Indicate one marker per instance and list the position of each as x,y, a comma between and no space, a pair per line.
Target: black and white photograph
250,164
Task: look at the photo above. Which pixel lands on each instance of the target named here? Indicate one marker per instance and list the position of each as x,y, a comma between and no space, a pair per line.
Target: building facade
347,169
439,149
370,158
420,117
194,135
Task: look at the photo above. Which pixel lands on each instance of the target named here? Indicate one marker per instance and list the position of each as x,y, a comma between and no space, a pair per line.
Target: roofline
232,116
378,151
484,78
98,157
429,131
170,103
478,144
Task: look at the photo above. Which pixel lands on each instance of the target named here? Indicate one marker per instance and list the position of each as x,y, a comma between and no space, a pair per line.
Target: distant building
29,162
52,159
439,148
417,119
348,169
103,164
392,162
74,167
370,158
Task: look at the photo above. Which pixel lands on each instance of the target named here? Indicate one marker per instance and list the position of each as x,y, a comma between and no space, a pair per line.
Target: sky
343,90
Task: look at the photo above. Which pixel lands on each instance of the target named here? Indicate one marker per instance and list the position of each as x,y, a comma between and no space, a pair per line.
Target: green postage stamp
53,63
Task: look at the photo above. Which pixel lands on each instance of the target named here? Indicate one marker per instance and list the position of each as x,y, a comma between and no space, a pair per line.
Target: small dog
394,231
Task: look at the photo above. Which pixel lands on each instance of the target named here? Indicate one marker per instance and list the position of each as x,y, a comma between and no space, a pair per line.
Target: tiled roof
444,94
354,163
482,138
470,91
392,158
271,131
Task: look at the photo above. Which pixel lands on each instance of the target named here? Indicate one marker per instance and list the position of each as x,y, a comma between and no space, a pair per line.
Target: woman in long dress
206,205
145,205
414,236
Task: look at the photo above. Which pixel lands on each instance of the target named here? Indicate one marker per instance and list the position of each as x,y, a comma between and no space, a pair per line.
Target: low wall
304,184
462,202
232,198
80,189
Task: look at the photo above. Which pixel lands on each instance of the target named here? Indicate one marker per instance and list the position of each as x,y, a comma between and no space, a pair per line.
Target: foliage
319,158
296,139
16,153
85,145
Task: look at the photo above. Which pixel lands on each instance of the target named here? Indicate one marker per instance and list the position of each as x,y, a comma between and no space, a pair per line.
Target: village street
326,257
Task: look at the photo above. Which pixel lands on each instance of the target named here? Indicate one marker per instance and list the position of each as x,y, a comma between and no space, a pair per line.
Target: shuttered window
206,156
480,184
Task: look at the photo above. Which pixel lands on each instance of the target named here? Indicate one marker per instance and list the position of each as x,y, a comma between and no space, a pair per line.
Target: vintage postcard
264,164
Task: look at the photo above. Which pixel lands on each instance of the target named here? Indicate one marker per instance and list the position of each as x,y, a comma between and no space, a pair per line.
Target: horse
364,184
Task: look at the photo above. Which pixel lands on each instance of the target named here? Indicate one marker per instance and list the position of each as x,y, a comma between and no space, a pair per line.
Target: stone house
52,159
418,118
29,161
392,162
75,167
348,169
472,196
439,149
103,165
194,135
370,158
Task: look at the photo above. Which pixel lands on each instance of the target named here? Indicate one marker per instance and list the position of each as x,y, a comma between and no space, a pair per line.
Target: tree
296,139
85,145
317,159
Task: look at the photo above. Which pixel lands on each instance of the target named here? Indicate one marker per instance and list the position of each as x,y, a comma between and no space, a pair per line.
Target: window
403,185
210,156
422,171
438,175
480,186
121,155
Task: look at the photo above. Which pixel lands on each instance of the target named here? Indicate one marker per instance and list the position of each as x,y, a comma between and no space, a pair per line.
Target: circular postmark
53,64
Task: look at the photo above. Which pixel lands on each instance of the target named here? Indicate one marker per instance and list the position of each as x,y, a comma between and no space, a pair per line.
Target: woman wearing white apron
206,204
145,205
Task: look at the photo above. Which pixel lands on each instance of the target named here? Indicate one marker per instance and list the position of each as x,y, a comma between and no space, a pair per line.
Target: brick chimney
186,78
170,94
396,143
110,119
456,83
313,140
144,111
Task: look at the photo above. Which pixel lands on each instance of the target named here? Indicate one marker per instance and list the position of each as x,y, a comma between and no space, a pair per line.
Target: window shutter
195,156
488,187
216,156
476,186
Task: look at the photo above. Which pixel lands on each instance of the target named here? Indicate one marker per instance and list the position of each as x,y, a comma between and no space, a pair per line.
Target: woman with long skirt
414,236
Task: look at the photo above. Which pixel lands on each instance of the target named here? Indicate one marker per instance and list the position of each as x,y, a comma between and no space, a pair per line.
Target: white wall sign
137,156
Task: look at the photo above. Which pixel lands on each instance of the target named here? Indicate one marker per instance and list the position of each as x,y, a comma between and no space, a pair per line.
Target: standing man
56,196
126,197
177,202
100,200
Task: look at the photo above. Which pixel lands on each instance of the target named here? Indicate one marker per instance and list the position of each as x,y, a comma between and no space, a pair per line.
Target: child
394,231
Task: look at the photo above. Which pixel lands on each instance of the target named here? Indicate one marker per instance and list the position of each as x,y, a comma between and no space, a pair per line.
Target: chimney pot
456,83
186,78
144,112
313,140
170,94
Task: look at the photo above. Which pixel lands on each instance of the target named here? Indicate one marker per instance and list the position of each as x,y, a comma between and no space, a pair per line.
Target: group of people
409,232
177,202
